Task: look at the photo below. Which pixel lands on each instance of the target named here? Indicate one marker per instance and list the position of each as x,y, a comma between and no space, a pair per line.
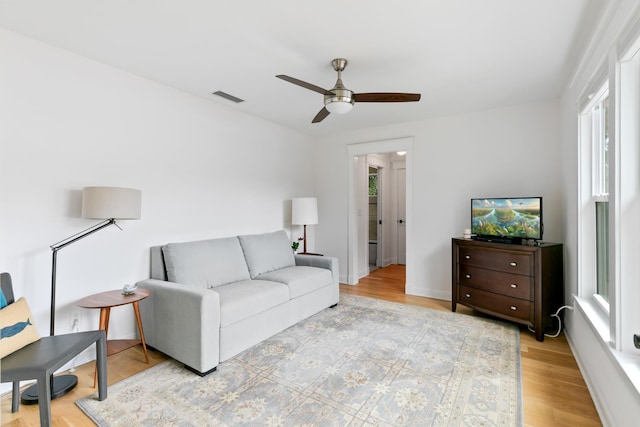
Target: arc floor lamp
109,204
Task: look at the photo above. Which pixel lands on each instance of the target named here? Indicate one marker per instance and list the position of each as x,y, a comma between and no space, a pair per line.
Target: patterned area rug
366,362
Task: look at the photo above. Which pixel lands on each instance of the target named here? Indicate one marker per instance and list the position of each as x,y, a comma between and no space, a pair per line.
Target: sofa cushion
241,300
301,280
267,252
205,263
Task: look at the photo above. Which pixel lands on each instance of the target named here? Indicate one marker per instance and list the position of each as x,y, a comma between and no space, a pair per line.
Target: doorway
357,265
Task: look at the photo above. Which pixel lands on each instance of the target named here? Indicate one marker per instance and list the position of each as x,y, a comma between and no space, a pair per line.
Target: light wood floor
554,391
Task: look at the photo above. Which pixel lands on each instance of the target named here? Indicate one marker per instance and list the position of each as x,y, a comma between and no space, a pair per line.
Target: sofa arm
330,263
182,321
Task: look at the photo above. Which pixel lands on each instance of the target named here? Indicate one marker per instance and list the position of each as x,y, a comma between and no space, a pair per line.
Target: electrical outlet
75,320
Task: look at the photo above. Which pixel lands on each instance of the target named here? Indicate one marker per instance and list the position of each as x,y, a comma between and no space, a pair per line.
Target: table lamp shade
304,210
111,202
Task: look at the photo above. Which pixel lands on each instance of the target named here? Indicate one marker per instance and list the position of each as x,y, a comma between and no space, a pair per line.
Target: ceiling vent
228,97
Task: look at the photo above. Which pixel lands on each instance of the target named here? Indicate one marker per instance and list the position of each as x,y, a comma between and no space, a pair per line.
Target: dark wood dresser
520,283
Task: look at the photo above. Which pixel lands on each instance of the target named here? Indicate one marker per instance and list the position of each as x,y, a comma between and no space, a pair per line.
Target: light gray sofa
212,299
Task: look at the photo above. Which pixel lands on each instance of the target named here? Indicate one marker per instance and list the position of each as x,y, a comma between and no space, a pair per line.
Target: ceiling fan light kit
340,103
340,100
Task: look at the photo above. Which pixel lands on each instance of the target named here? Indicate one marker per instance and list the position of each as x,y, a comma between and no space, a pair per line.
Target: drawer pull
467,257
514,308
468,276
513,285
513,264
467,295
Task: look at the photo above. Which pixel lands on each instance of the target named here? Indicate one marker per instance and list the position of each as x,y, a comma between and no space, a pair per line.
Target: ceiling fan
340,100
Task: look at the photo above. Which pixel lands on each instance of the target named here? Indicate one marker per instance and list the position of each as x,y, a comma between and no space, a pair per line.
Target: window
600,173
373,182
595,141
602,252
609,197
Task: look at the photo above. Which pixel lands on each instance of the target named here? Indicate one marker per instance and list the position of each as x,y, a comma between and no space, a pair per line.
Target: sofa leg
334,305
202,374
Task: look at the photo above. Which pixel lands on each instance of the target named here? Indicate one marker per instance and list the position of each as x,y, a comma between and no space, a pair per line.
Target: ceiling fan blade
322,114
386,97
303,84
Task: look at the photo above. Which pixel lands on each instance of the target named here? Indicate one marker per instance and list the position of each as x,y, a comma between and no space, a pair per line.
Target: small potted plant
296,245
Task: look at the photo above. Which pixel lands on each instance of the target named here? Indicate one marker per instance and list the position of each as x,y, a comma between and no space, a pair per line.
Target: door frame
363,149
397,225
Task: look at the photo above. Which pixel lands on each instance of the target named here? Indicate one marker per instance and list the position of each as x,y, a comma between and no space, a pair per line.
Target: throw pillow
17,328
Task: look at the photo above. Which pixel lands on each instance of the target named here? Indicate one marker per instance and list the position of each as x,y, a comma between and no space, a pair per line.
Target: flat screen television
508,220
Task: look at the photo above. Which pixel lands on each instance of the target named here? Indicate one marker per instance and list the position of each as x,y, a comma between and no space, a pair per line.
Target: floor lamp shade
304,211
111,202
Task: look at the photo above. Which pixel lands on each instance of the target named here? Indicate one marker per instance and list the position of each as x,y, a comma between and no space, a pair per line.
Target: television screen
507,218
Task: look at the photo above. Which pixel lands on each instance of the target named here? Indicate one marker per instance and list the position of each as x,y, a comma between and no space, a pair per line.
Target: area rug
366,362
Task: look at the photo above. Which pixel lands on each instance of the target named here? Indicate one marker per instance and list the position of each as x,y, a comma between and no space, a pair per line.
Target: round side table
104,301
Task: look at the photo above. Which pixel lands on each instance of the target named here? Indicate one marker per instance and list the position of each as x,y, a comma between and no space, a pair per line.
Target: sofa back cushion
205,263
267,252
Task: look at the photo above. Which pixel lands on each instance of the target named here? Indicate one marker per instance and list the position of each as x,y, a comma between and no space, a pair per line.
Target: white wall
69,122
505,152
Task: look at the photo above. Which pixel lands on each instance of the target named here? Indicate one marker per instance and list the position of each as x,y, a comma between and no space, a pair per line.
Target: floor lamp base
60,385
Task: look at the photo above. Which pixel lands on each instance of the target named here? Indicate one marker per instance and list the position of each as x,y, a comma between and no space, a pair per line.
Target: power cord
74,328
559,322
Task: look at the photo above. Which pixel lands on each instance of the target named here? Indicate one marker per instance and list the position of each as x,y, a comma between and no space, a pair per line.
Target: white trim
615,212
607,16
602,304
628,364
629,42
593,91
627,200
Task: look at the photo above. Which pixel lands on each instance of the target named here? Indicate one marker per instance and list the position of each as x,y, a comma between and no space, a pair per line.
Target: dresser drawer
499,304
512,285
510,262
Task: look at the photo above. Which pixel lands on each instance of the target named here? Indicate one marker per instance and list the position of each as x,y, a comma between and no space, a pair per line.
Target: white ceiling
461,55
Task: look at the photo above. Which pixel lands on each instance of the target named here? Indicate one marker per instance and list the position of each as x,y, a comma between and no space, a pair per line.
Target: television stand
519,283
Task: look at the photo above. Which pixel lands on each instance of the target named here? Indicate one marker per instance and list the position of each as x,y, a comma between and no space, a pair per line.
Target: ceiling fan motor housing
340,101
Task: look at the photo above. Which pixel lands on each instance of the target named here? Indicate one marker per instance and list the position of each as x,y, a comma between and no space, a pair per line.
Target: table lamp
304,211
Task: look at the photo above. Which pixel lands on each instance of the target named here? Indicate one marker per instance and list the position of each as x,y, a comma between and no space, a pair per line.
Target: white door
402,222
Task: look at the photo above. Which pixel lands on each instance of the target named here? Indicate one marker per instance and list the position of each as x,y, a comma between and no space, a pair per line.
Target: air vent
227,96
